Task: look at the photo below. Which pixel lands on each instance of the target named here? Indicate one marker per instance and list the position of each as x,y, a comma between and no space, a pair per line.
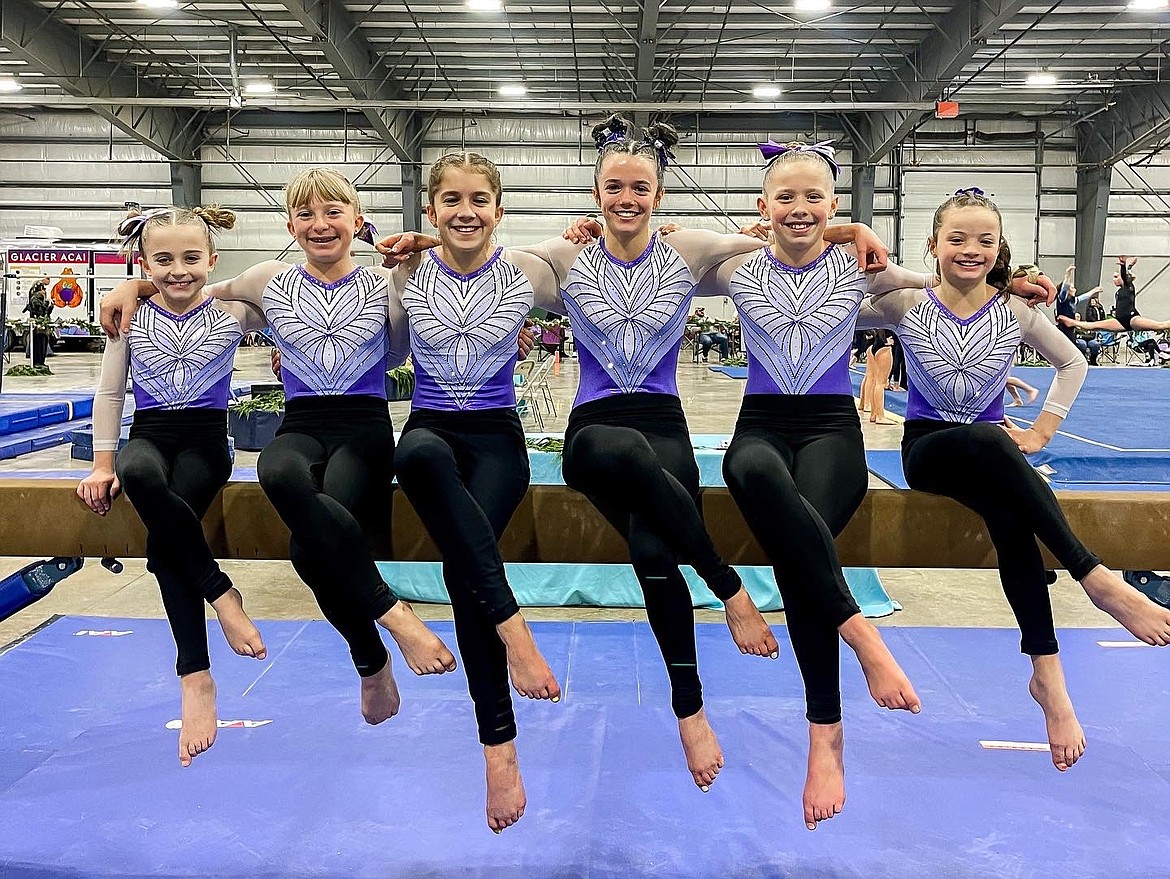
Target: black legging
465,474
631,456
796,469
329,475
982,468
171,470
898,370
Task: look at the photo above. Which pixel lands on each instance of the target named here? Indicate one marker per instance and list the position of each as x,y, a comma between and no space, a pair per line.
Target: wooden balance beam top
893,529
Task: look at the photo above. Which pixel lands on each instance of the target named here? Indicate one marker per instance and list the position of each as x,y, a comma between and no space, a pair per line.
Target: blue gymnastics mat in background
297,786
1116,438
25,411
739,372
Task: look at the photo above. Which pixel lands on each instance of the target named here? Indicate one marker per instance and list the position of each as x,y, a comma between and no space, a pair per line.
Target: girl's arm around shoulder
249,316
703,250
248,286
557,257
885,311
896,277
546,284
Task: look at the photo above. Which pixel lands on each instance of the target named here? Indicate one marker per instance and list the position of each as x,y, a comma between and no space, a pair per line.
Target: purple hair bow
367,233
970,190
824,149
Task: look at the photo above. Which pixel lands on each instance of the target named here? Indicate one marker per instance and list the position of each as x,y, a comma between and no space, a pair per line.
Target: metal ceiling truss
74,63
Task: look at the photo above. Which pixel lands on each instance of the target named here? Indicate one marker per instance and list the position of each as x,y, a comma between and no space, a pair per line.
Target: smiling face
465,208
178,260
966,244
627,190
324,229
799,201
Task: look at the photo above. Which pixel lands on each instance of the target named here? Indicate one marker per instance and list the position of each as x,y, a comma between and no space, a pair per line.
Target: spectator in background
711,334
40,310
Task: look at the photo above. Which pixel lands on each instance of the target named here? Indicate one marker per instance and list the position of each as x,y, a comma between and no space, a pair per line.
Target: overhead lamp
1041,78
259,87
813,5
1147,4
767,92
485,5
513,90
159,4
7,84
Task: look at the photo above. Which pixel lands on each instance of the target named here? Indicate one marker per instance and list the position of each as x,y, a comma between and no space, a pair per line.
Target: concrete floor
272,590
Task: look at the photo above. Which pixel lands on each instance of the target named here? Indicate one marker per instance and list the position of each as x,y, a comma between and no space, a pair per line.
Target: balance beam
893,529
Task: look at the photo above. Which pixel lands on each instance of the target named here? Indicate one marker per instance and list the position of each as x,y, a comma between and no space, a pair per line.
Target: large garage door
1014,195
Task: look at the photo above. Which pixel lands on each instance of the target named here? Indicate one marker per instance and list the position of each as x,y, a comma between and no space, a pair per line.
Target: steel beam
73,62
928,72
362,72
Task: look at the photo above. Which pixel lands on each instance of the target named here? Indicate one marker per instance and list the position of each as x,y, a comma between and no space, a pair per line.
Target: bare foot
530,673
422,649
881,421
198,731
1032,393
1144,619
380,698
888,684
704,757
824,786
238,628
505,788
748,628
1015,402
1066,739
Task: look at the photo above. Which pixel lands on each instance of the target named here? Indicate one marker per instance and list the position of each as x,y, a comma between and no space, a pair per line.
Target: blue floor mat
1116,438
739,372
24,411
298,786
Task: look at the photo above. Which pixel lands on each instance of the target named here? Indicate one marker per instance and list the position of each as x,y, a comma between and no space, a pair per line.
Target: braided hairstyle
137,223
615,136
1000,275
473,163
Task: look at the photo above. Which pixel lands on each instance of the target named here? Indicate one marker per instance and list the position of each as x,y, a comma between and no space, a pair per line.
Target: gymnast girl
879,362
796,464
178,354
462,460
328,471
961,339
1126,318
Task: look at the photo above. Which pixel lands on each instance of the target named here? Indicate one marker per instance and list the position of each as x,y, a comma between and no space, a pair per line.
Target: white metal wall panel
1013,193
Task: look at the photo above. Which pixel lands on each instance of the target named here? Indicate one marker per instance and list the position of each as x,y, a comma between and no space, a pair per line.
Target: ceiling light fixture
1147,4
1041,78
10,85
259,87
513,90
813,5
485,5
159,4
766,92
